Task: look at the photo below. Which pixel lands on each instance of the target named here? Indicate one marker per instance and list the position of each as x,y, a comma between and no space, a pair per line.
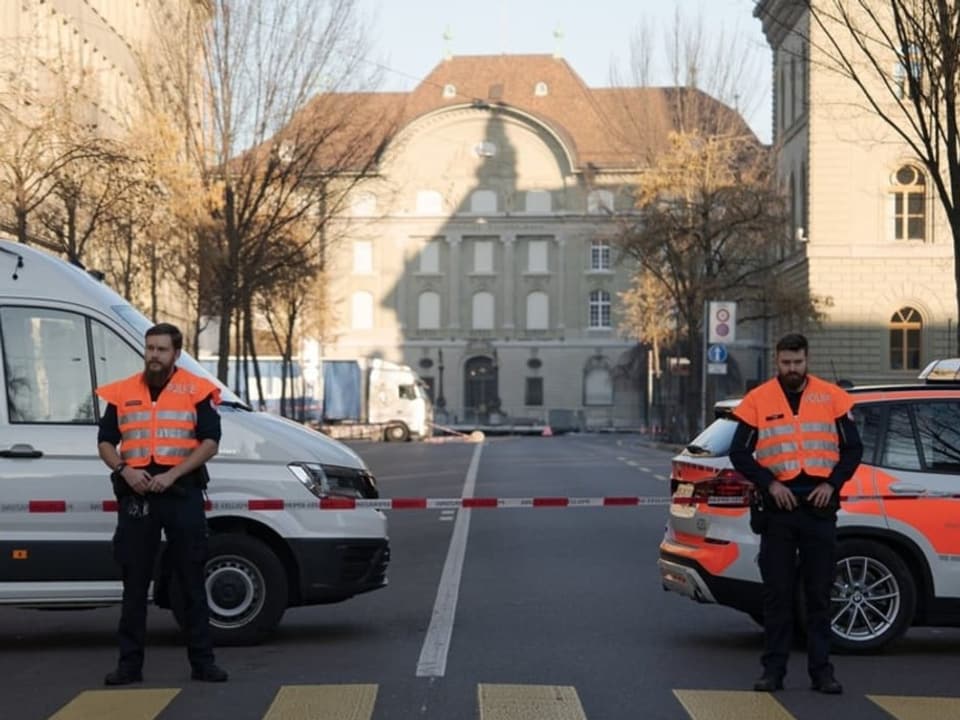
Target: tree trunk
22,226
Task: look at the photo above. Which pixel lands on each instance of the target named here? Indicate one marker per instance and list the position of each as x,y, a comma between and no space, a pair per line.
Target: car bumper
334,570
687,577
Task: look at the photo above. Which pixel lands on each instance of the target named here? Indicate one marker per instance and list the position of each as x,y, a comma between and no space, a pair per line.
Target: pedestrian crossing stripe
143,704
495,701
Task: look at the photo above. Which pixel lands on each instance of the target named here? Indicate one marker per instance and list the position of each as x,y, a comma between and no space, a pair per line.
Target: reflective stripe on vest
164,431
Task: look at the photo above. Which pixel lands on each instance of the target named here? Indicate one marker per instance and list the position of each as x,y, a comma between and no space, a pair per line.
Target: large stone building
869,236
481,254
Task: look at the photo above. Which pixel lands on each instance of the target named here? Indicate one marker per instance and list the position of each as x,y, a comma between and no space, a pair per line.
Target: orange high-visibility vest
164,431
789,444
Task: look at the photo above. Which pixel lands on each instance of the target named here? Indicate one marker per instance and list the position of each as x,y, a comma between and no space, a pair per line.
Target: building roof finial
558,46
447,38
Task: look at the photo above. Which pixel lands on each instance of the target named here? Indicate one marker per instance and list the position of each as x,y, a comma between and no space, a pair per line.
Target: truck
375,398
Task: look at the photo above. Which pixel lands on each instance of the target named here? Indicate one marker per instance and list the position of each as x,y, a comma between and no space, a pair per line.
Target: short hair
793,342
170,329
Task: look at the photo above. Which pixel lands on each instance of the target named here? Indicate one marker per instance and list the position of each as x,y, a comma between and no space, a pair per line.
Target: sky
407,37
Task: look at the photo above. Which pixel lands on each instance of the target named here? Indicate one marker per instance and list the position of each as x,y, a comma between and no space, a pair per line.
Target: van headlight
326,480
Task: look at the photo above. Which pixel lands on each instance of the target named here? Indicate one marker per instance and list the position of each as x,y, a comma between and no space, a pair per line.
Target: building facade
868,236
482,255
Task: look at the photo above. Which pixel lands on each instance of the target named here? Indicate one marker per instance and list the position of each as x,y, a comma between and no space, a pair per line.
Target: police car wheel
246,590
873,597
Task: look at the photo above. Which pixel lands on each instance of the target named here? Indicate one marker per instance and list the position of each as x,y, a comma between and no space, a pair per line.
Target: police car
898,529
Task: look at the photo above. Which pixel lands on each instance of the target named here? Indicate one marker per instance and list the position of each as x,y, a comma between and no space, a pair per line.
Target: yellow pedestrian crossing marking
919,708
731,705
141,704
323,702
529,702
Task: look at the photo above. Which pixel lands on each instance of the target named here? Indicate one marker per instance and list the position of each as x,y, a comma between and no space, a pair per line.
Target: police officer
167,426
797,442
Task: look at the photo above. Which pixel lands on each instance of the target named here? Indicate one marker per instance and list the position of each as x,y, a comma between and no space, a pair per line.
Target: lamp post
441,400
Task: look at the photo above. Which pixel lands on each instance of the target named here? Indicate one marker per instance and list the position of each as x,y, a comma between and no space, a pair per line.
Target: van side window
408,392
46,365
900,448
113,359
938,426
868,419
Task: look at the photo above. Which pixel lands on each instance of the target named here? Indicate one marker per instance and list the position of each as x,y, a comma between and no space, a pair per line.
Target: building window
483,201
599,255
538,201
429,202
537,256
449,91
483,256
483,307
428,311
430,257
600,202
597,386
362,311
362,257
909,202
599,309
538,311
533,395
906,327
541,89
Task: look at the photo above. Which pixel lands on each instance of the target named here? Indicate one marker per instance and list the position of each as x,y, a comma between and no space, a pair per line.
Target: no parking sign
722,322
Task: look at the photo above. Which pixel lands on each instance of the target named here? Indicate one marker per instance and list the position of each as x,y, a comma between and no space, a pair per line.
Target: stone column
561,280
509,278
456,270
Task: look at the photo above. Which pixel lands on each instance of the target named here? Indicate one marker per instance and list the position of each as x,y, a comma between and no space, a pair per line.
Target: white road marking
436,644
645,469
660,477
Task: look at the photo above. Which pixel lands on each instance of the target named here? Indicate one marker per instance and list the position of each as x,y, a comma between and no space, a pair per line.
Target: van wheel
396,433
873,598
246,590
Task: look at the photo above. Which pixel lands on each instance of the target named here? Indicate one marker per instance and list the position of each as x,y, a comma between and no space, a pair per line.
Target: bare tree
903,57
709,218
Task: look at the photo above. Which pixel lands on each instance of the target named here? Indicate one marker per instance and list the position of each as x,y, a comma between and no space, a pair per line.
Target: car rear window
715,440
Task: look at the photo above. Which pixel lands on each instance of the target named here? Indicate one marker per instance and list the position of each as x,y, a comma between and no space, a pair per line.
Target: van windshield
140,324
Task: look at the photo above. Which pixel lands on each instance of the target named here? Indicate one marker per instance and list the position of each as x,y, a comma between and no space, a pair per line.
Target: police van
272,545
898,528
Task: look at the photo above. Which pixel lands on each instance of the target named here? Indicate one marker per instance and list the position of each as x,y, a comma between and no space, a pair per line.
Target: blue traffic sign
717,353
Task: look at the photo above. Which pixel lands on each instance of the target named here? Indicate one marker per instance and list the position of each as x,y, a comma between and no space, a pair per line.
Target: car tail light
728,489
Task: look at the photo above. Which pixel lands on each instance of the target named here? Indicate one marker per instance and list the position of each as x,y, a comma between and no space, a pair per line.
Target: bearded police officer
166,425
797,442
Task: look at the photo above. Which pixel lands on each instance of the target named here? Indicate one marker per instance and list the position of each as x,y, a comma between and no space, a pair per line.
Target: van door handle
907,489
21,450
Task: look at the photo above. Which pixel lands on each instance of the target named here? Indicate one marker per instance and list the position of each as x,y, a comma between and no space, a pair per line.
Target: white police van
63,333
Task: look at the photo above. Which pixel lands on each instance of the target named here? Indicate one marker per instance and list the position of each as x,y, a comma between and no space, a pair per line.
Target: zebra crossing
494,702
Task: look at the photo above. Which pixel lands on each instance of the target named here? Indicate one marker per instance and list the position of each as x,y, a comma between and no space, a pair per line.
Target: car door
920,469
55,538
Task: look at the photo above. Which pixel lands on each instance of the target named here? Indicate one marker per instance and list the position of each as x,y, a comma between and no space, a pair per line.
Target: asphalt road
498,614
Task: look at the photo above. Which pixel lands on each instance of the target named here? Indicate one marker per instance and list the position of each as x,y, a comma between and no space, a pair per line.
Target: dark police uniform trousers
180,513
810,533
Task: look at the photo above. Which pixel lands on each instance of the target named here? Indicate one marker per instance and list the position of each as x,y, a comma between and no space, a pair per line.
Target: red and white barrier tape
470,503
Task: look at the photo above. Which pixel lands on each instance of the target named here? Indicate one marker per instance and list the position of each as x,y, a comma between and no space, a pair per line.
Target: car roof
906,391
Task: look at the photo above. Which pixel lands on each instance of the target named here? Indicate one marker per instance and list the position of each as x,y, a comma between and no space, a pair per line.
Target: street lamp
441,400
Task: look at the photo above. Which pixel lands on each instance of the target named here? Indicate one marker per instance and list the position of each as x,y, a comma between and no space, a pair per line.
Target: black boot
209,673
123,676
768,683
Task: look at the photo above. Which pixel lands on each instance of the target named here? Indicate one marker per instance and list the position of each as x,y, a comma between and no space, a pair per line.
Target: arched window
600,202
429,202
483,307
597,383
483,201
906,328
541,89
909,204
538,311
599,309
362,310
428,311
449,91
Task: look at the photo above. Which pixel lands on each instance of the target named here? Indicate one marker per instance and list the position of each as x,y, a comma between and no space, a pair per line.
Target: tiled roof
606,128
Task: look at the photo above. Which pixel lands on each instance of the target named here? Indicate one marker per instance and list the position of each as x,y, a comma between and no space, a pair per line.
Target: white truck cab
63,333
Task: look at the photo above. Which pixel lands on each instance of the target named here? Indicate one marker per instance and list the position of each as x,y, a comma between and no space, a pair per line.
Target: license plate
684,490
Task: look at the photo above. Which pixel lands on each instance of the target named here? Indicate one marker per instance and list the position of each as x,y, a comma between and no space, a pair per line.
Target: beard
156,374
793,381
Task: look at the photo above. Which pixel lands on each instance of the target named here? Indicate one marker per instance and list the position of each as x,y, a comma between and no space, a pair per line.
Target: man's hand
137,479
782,495
159,483
820,496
